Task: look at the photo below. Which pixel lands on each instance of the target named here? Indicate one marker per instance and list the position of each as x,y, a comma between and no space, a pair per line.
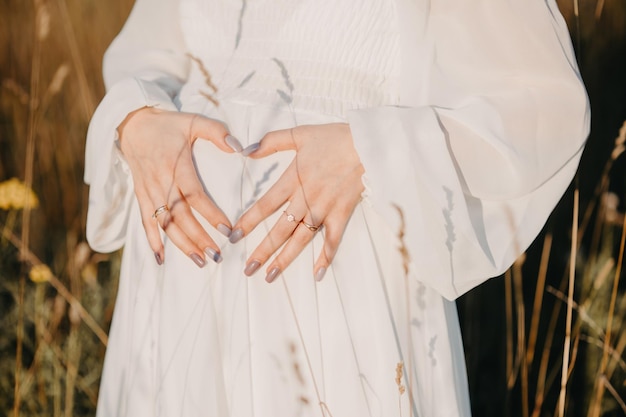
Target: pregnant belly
235,182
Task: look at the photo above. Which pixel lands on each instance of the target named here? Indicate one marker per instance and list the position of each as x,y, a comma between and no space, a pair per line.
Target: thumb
215,132
272,142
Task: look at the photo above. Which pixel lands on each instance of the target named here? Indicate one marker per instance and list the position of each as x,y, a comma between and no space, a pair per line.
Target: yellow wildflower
40,273
4,198
14,194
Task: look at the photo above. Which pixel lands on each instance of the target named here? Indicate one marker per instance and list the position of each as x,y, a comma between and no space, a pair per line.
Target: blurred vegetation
56,295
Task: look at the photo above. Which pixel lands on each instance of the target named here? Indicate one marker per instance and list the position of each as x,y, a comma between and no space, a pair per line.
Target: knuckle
154,239
264,250
331,242
329,253
203,239
302,236
194,196
260,255
263,205
252,217
282,261
323,259
166,222
155,245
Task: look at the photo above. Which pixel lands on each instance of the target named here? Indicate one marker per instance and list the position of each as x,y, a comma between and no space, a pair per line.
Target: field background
57,296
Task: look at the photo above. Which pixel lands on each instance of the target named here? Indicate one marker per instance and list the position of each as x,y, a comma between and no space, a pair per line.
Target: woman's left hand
322,186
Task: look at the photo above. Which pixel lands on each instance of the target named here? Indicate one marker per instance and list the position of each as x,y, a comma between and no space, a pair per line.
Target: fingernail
234,143
158,258
236,236
197,259
251,149
320,274
213,254
252,267
271,276
223,229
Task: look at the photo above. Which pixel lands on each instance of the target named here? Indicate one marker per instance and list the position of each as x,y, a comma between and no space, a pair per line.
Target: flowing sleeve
145,65
479,167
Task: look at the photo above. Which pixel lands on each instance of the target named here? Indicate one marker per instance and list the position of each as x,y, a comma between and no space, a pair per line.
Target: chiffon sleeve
145,65
478,166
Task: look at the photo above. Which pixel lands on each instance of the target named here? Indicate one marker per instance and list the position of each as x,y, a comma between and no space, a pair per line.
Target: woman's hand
322,186
157,145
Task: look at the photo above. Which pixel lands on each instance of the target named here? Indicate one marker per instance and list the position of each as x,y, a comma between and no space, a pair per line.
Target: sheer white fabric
469,118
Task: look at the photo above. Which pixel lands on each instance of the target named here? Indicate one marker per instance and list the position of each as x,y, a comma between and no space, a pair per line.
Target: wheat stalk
538,300
521,331
570,297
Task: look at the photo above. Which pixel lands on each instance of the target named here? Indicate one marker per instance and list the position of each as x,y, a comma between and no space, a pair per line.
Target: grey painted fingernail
252,267
214,255
158,258
197,259
271,276
236,236
320,274
223,229
233,142
251,149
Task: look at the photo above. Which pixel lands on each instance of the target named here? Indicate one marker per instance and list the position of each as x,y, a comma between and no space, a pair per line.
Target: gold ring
290,217
310,226
160,211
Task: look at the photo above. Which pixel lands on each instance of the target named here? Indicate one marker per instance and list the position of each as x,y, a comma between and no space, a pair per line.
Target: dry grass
56,296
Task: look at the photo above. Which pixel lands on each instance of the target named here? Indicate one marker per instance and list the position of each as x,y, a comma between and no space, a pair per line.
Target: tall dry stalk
542,374
86,95
41,29
538,300
406,261
570,298
511,376
521,332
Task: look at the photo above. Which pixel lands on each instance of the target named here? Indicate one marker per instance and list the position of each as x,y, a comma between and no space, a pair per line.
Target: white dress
469,118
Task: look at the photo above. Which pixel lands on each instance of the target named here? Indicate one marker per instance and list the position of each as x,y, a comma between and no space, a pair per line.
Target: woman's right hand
157,145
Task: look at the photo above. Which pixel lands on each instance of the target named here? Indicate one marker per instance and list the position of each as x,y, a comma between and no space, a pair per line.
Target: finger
276,141
176,211
271,201
326,256
214,131
334,227
193,192
284,228
299,239
181,240
181,214
150,225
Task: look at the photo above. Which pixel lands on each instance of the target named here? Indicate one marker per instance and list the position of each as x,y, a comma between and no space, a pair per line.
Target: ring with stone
290,217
